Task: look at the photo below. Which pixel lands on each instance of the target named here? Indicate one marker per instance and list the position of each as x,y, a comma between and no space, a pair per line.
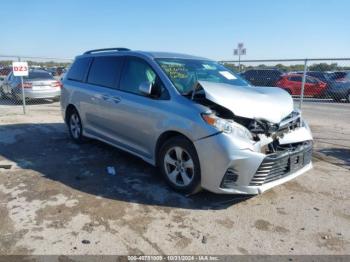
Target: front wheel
179,164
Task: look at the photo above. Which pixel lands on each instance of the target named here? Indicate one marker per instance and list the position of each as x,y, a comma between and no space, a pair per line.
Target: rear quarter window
79,69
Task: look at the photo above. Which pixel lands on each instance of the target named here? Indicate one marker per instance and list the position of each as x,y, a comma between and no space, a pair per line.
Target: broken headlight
227,126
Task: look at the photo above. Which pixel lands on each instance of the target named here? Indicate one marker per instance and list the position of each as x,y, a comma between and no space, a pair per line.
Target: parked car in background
292,83
342,76
262,77
56,71
340,87
199,122
2,78
338,84
5,71
39,84
51,70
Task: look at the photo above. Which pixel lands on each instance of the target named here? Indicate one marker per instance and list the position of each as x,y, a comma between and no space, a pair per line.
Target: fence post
23,96
303,85
239,63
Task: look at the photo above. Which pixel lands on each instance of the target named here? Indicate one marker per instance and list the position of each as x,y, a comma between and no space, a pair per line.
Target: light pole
240,50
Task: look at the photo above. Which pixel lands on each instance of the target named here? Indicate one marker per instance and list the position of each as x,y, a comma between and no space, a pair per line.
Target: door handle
116,99
107,97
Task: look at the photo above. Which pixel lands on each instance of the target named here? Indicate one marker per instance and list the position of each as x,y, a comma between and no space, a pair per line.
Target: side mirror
146,88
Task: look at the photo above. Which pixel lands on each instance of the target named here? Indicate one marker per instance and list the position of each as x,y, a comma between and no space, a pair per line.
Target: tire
179,164
56,99
336,99
17,97
348,98
75,127
1,91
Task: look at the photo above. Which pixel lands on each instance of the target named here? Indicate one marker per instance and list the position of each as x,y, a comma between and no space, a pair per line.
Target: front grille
282,164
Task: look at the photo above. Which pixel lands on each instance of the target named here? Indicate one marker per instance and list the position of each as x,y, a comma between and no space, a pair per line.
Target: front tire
75,127
179,164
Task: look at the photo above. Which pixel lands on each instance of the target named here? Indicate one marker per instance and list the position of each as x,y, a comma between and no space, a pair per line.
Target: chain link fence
307,80
42,86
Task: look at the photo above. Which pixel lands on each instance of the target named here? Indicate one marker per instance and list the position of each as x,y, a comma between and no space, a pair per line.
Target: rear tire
15,98
75,126
179,164
56,99
337,99
348,98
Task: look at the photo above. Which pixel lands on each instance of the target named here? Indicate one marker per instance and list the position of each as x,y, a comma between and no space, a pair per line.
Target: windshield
184,73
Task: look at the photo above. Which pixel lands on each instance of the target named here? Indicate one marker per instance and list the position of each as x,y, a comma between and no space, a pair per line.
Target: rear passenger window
105,71
136,72
79,68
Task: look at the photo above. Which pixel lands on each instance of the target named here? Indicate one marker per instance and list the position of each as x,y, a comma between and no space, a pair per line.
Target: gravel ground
57,197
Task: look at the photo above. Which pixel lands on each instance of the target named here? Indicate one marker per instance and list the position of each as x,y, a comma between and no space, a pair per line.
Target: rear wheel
337,99
179,164
75,126
348,98
15,97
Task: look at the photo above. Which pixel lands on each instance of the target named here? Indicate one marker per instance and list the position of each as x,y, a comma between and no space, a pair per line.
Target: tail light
56,84
25,85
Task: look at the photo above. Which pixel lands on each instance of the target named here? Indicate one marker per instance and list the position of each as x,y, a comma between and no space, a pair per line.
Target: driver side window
136,72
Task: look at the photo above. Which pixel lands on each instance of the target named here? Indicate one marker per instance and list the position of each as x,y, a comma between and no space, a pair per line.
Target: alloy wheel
179,166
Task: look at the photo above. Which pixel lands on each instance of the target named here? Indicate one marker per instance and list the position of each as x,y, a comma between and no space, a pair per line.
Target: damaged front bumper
230,168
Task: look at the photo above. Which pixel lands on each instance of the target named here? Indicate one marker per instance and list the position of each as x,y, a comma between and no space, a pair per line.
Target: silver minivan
199,122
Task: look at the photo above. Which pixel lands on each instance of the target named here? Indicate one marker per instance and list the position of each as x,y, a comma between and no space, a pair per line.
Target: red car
292,84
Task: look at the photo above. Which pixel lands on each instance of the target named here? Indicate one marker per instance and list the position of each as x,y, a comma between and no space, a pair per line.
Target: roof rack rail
107,49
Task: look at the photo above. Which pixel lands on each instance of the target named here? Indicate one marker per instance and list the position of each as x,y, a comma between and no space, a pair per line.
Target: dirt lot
58,198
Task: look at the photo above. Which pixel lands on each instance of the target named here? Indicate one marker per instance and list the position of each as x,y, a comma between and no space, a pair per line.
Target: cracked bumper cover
220,152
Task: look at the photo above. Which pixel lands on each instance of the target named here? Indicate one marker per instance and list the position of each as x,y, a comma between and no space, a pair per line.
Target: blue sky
209,28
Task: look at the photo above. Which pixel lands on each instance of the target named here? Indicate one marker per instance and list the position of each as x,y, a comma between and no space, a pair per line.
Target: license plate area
41,87
296,161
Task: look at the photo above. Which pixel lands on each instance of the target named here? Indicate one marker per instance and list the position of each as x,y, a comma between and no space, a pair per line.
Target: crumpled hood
266,103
